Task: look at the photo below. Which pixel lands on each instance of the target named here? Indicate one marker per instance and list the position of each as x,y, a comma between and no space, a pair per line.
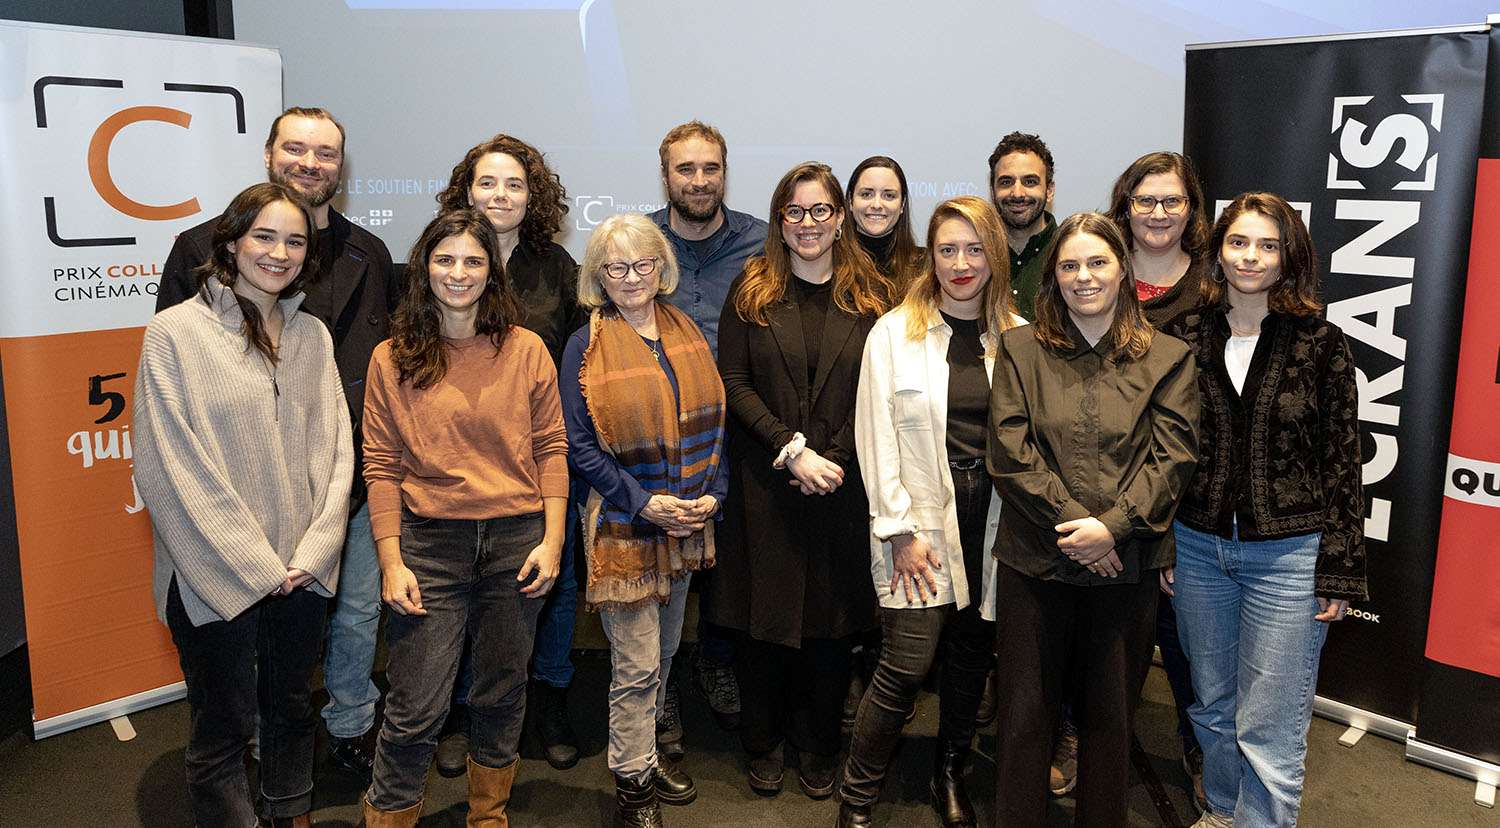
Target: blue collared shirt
704,285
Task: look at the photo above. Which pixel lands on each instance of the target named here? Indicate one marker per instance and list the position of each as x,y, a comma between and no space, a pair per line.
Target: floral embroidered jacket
1281,458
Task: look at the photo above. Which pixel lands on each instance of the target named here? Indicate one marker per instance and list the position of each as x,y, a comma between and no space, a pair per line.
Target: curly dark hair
233,225
548,201
416,326
1020,142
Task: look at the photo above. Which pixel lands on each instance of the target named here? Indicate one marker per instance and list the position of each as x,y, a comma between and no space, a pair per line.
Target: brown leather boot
404,818
489,793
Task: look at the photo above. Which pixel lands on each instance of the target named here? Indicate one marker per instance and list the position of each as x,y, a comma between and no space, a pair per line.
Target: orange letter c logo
99,174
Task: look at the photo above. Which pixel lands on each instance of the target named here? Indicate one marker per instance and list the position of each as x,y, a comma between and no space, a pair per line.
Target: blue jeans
466,571
642,642
350,654
1245,615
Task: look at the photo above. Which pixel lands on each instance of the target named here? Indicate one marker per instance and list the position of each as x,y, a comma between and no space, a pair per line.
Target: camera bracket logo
103,139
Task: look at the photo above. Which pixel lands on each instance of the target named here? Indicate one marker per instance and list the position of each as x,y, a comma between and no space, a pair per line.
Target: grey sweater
244,466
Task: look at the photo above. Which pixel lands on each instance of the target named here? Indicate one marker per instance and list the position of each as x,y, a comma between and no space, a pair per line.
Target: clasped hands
295,579
680,518
1088,543
812,473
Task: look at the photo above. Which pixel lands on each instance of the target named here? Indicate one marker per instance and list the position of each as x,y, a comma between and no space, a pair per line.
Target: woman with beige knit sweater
243,455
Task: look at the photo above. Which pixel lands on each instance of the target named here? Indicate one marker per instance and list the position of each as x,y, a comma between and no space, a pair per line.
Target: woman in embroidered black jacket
1270,542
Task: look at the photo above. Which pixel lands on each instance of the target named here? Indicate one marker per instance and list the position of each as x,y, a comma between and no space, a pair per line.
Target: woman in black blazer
794,554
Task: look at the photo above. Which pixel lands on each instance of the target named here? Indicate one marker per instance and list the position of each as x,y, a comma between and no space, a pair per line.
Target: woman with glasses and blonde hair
921,417
1093,435
793,558
1158,204
645,414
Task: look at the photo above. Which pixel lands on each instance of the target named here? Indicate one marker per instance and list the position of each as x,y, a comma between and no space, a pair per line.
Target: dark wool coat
791,566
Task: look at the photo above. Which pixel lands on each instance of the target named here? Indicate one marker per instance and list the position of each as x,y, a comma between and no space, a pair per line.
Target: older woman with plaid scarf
644,409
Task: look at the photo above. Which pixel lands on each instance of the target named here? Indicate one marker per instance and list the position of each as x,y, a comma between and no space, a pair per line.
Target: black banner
1374,140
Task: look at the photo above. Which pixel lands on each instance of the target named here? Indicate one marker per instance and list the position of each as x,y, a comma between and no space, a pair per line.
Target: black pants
1049,631
910,640
466,570
253,666
1174,663
792,693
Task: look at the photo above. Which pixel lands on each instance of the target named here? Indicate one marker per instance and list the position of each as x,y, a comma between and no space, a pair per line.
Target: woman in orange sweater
466,461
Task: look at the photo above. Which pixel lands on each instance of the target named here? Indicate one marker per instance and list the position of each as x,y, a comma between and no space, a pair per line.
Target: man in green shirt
1021,186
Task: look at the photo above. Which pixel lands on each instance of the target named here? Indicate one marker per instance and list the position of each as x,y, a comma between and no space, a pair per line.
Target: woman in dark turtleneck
878,218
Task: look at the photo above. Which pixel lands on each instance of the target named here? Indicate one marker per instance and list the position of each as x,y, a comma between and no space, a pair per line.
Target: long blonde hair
924,296
858,287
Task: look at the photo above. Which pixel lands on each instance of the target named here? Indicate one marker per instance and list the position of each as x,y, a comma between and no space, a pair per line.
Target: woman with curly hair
1270,534
794,555
244,458
508,180
466,462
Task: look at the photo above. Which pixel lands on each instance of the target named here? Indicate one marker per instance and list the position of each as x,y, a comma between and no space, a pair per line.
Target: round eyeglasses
820,212
642,267
1171,205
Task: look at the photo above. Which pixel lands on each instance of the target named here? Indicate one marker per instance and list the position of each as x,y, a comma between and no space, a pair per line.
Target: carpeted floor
89,778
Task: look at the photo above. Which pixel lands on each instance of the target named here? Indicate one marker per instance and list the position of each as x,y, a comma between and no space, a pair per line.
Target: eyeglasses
820,212
642,267
1171,205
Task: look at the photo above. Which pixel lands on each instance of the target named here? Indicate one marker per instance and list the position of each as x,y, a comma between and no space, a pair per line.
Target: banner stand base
1393,729
1485,774
42,728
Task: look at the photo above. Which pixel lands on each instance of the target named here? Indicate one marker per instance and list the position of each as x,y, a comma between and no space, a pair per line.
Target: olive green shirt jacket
1077,433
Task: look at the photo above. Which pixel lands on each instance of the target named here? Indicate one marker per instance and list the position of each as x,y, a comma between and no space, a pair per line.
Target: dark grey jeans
466,571
255,665
910,641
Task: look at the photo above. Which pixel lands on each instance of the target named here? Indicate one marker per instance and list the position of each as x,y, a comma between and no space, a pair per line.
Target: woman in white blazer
920,430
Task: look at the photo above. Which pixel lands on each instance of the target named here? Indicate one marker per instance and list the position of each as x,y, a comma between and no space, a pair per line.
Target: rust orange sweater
486,441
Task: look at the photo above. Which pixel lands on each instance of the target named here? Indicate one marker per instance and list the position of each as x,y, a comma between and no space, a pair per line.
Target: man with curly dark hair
1022,187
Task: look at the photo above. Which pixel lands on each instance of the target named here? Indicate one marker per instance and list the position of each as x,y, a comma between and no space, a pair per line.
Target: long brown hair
417,345
233,224
903,263
547,199
1129,332
1296,290
925,294
1195,234
858,287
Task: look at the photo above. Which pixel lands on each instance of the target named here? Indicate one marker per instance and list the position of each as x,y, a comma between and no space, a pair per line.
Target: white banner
110,144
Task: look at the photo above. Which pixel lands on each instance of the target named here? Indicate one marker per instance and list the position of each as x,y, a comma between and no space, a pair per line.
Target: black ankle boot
853,816
949,796
558,742
637,804
673,785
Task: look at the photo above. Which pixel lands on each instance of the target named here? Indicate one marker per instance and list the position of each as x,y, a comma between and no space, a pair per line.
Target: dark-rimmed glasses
642,267
1146,204
820,212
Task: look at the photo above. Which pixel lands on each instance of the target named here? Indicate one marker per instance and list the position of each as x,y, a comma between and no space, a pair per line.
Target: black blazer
354,299
796,566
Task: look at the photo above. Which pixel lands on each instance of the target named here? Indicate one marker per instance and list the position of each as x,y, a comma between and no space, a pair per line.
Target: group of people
1015,456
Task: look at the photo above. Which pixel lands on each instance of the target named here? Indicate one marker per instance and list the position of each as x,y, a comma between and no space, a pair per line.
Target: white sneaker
1213,820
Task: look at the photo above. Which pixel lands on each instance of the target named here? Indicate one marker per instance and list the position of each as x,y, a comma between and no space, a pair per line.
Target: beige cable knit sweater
244,466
